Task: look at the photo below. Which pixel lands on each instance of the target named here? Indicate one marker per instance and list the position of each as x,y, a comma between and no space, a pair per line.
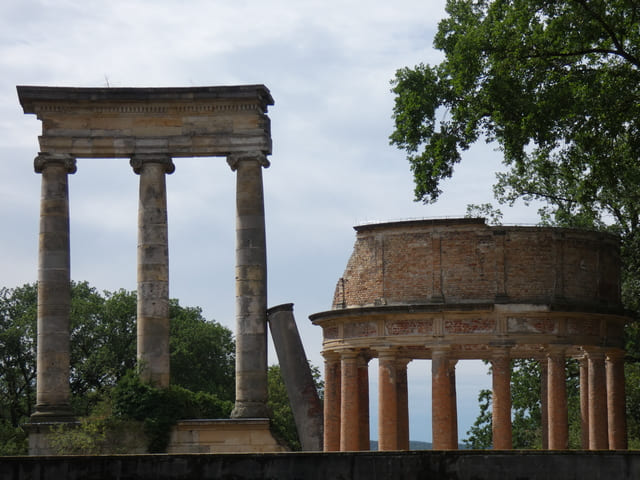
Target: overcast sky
327,64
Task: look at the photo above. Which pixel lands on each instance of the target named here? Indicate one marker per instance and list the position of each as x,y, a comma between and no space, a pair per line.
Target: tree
103,350
554,83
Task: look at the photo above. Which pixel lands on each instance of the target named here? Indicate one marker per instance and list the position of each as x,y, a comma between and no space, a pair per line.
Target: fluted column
332,402
616,400
584,402
251,287
387,401
598,436
363,403
443,416
153,268
54,290
349,404
557,401
501,415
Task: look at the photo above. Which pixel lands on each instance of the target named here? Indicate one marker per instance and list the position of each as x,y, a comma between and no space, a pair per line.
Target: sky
328,65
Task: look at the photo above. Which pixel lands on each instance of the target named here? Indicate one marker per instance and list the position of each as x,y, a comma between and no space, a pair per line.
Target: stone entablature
447,290
179,122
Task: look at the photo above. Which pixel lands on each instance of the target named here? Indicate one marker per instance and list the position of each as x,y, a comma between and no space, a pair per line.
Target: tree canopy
554,83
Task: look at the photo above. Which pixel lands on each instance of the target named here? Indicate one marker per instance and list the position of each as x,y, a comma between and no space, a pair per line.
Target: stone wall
465,260
461,465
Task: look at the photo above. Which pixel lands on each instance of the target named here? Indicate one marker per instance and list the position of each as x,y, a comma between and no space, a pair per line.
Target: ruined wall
467,261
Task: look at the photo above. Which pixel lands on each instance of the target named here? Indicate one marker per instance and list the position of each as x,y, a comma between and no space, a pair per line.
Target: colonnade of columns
346,406
53,351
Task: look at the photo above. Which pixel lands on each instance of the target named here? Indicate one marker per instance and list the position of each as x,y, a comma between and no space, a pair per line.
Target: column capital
594,353
139,159
45,159
613,355
235,158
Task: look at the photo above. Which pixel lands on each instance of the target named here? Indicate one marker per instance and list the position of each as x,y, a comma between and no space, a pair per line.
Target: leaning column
153,268
54,290
251,287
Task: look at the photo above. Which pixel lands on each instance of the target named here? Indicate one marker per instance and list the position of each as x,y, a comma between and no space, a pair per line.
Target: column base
52,414
250,410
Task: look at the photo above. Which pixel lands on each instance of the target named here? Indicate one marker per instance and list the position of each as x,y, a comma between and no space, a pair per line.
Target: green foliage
283,425
160,408
485,210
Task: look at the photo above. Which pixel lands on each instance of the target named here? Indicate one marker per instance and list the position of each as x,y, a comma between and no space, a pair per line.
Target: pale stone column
251,287
363,403
54,290
349,404
387,400
584,402
616,400
598,436
501,414
153,268
332,402
443,417
557,401
544,401
402,388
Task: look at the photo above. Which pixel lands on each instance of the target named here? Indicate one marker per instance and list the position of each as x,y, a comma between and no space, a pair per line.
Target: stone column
616,401
349,404
153,268
557,401
387,401
363,403
251,287
402,387
443,417
501,424
54,290
544,401
598,436
584,402
332,402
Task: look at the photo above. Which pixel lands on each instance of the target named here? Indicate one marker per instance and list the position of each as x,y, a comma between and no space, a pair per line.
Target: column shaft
251,288
557,402
616,401
584,402
544,401
501,424
153,268
54,291
387,402
597,402
332,403
363,403
349,411
402,388
443,418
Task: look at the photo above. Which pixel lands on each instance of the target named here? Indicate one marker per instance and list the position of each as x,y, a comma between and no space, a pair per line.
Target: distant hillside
415,445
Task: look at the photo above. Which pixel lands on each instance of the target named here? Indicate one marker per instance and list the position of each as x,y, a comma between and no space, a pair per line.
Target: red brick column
387,401
544,401
598,436
616,401
350,402
364,442
557,401
501,424
443,417
402,403
584,402
332,380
